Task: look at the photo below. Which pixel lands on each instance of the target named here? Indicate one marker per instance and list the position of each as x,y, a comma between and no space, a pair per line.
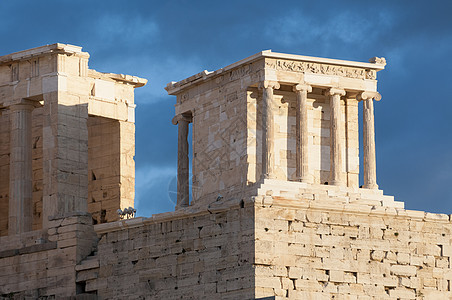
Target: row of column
302,145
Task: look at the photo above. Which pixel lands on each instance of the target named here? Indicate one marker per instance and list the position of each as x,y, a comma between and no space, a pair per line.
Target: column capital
269,84
182,117
302,87
369,95
336,91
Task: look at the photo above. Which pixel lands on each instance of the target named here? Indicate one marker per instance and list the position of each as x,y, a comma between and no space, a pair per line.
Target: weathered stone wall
219,132
126,166
197,256
111,167
219,141
274,247
313,251
40,264
103,169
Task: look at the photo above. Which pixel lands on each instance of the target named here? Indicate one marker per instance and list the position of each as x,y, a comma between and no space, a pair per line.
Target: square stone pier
67,138
67,146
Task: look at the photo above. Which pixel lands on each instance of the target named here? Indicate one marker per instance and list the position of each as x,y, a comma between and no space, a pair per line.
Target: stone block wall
103,169
111,167
127,165
219,141
274,246
308,251
40,264
218,109
169,256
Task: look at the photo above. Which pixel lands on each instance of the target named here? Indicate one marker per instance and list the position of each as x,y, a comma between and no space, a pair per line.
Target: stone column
370,166
336,141
302,159
183,182
268,157
20,179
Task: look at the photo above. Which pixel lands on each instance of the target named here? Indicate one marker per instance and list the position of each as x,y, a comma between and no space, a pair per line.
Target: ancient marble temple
275,120
269,199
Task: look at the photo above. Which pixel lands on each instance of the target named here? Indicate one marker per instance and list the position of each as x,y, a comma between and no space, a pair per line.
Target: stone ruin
272,207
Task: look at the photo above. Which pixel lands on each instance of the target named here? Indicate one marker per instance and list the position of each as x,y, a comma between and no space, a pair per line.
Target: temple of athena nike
269,199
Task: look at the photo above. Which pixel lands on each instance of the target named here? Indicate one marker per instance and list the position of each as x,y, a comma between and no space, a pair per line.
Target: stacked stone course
40,264
304,251
170,256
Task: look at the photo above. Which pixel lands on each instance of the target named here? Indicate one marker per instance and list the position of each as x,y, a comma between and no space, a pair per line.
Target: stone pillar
268,158
336,141
370,166
20,179
302,159
65,154
183,181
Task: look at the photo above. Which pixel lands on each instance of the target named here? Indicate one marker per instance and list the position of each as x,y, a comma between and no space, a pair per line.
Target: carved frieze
239,72
234,74
317,68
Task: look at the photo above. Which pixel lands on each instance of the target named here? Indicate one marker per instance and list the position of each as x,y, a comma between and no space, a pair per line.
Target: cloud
118,28
161,71
343,29
154,189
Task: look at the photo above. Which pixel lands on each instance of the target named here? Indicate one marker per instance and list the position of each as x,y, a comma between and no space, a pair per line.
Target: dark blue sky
167,41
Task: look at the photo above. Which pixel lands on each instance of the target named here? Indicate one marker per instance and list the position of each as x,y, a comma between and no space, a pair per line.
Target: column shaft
268,163
336,141
183,184
370,167
302,159
20,180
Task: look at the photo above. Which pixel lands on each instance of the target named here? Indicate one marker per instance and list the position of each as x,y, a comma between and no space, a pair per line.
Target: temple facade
269,199
278,119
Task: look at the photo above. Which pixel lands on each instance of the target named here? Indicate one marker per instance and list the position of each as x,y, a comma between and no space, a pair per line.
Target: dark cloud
166,41
156,136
